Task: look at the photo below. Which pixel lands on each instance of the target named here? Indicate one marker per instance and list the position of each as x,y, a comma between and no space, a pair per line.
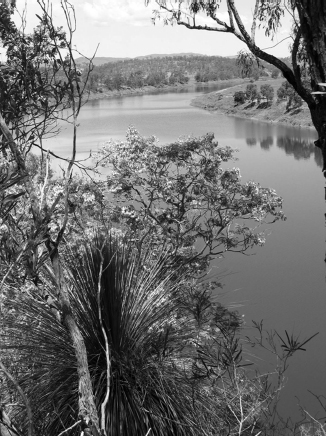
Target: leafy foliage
267,91
286,91
251,91
270,15
239,97
182,195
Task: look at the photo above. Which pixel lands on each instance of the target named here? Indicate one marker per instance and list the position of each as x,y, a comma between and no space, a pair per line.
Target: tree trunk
318,116
87,407
312,15
86,401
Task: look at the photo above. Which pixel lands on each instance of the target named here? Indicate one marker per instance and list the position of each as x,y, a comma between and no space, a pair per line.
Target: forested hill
166,70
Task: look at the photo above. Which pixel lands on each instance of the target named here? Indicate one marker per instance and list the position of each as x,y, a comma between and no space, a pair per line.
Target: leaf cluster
182,194
286,91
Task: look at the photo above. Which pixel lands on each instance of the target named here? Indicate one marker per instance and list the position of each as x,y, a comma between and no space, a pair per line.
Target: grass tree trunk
87,411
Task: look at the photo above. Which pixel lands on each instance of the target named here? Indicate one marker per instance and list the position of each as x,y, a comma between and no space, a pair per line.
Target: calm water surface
283,282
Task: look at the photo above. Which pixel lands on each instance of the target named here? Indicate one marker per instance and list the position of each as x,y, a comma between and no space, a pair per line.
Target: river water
283,282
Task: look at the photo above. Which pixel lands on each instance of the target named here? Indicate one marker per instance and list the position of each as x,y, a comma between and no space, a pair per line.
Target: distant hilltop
97,61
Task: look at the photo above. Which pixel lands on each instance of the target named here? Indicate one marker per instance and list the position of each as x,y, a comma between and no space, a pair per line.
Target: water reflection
251,142
300,148
266,143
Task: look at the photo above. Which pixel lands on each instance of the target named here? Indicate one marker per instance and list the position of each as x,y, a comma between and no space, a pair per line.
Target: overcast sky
123,28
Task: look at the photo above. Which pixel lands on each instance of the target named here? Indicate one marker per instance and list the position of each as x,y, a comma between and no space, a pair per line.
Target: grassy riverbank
223,102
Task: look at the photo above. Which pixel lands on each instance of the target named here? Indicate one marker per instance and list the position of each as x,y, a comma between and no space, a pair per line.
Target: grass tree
138,346
164,358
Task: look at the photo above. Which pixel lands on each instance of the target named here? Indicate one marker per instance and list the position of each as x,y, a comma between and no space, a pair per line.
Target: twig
321,426
267,48
45,180
70,428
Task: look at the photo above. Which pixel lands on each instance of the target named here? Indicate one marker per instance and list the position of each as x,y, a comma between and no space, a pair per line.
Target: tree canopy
185,195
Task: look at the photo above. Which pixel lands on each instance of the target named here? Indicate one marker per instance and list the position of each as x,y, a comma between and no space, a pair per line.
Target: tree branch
231,17
254,20
70,428
287,72
295,48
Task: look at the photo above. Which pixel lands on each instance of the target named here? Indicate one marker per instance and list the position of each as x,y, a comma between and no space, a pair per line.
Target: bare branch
70,428
230,17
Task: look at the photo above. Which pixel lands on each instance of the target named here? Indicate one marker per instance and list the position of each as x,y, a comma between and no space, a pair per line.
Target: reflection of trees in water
300,148
266,143
251,141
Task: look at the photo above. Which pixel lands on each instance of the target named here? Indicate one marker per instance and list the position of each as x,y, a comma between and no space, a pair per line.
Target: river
283,282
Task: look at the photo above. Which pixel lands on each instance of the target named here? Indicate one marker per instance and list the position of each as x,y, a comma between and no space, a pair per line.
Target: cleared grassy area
276,112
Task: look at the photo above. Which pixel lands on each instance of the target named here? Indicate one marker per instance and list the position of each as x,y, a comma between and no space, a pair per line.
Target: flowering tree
182,194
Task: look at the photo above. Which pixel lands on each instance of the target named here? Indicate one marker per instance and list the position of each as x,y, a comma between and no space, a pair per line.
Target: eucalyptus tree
308,53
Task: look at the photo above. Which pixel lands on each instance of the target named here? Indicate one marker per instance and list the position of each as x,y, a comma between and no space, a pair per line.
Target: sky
123,28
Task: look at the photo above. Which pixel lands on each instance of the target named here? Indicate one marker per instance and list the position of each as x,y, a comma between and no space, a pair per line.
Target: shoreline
222,102
191,85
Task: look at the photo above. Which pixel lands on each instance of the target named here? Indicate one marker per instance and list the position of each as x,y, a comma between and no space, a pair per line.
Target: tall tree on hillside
308,47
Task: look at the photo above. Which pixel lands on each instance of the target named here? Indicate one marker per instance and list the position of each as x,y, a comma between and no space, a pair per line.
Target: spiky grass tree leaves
149,352
144,338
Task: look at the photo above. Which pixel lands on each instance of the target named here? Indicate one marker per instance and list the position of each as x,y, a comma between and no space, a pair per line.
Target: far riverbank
190,86
223,102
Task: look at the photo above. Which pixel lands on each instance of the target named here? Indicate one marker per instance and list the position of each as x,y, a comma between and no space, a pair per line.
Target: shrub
239,97
251,92
267,91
